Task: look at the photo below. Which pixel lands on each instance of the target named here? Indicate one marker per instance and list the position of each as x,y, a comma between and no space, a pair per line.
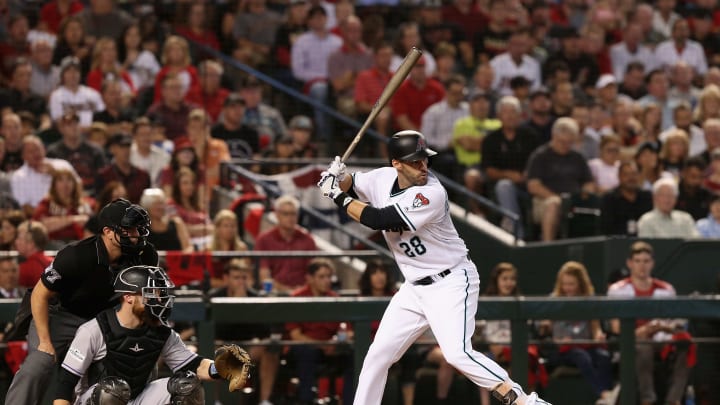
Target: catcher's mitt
233,363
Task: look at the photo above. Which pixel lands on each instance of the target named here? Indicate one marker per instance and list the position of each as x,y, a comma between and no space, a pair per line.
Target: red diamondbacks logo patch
420,200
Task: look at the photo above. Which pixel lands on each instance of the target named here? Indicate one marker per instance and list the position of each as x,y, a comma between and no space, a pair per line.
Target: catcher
112,359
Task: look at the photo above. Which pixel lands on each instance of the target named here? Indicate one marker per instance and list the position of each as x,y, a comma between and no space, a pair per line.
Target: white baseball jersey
432,244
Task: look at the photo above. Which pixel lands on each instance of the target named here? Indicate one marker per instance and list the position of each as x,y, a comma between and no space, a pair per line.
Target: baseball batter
410,206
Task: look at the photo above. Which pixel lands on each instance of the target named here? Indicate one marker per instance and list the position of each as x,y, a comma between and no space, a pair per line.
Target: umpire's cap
409,145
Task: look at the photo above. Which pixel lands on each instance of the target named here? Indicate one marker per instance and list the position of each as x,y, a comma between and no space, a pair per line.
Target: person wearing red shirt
414,96
176,61
196,29
209,94
105,66
52,13
64,211
370,84
15,45
287,273
32,236
318,284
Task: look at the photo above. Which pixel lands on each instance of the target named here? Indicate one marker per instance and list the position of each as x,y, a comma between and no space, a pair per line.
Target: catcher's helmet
122,217
153,284
409,145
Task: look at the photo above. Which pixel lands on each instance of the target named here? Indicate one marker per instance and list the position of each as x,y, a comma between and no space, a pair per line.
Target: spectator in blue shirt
710,227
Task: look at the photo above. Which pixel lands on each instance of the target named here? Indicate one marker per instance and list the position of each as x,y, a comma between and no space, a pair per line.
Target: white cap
604,80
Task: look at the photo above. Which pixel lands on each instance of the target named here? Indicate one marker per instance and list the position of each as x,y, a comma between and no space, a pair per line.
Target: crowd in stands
540,106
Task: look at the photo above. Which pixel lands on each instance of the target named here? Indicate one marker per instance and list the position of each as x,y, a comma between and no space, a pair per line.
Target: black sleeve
63,268
149,255
386,218
66,385
193,364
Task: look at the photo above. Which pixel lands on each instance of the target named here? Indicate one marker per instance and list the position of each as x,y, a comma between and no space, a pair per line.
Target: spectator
105,67
629,50
300,129
72,97
31,182
210,151
195,26
683,90
693,198
491,40
554,169
45,76
176,61
309,61
293,26
647,158
606,92
593,361
674,152
633,82
254,30
98,136
587,142
9,223
407,36
11,131
184,155
64,211
651,123
15,45
584,70
144,154
563,99
664,18
237,283
346,63
415,96
369,85
505,154
708,105
283,149
139,63
468,135
209,94
72,42
167,232
711,128
187,204
643,16
32,237
318,282
439,119
703,31
642,284
117,117
87,159
446,59
681,48
515,62
682,114
605,168
712,180
242,140
54,12
286,273
121,169
9,287
664,221
104,19
225,238
266,120
18,95
111,192
540,121
172,110
709,227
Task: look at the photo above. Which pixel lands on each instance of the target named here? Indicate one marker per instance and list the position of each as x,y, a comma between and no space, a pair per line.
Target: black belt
432,279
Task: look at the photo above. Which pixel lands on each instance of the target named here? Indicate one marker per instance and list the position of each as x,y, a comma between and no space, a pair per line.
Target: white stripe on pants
448,307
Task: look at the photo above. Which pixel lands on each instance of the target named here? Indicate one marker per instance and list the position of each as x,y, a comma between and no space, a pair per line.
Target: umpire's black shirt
82,275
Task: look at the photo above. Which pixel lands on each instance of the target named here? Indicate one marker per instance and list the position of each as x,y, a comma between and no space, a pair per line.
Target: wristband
212,371
342,201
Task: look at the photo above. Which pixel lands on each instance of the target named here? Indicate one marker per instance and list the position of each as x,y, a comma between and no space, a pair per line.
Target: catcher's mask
153,284
129,222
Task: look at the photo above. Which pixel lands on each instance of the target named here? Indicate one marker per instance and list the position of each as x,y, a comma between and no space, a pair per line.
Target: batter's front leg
401,325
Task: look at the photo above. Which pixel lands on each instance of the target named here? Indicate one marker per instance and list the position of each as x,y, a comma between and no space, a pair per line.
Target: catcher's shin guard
110,391
185,389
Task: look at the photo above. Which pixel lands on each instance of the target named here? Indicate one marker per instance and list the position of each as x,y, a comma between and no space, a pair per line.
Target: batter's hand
329,185
337,169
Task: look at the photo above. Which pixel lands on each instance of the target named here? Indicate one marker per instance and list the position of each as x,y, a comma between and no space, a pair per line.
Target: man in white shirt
515,62
664,221
31,182
681,48
629,50
664,17
72,96
145,155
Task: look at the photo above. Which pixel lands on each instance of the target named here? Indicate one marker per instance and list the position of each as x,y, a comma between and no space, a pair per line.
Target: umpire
80,280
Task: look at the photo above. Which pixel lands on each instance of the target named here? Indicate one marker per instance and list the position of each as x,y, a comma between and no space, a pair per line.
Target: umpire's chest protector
131,353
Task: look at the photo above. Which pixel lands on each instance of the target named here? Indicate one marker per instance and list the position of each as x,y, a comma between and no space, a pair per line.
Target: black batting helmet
153,284
409,145
122,216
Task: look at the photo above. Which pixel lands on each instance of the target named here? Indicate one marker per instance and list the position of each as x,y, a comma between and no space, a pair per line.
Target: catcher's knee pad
185,389
110,391
504,393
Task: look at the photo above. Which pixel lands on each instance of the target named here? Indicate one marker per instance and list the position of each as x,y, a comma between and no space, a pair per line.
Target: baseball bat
402,71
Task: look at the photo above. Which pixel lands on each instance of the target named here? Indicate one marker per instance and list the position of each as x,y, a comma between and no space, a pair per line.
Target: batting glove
329,185
337,168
